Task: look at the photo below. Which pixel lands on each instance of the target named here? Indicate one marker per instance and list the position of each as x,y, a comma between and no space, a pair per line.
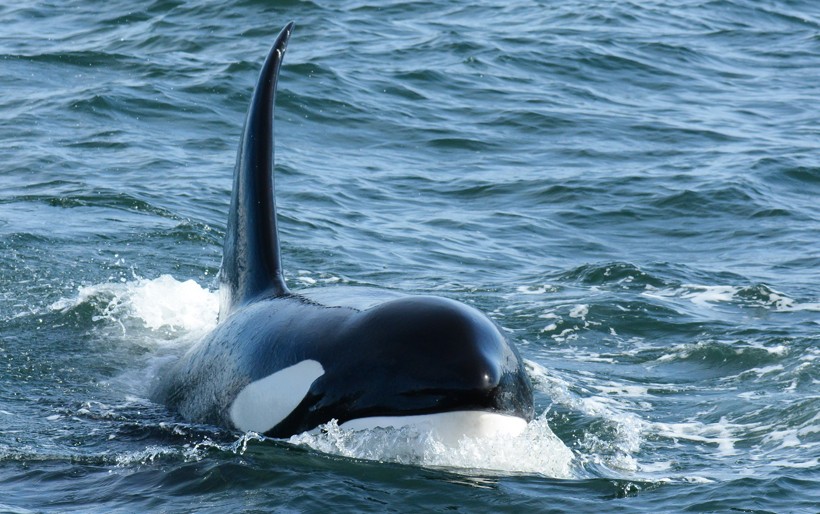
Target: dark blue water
629,188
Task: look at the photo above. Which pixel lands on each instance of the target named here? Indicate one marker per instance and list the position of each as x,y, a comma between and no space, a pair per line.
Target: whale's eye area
264,403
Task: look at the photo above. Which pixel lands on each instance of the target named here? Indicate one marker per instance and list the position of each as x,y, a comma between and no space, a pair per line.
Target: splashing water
537,450
160,303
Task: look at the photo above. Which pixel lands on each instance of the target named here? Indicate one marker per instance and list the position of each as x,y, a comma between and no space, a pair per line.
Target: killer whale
281,362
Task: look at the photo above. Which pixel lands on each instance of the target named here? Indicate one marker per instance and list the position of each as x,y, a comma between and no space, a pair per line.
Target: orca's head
410,358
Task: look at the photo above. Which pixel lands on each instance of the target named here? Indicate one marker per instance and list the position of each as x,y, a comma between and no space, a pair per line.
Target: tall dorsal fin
251,266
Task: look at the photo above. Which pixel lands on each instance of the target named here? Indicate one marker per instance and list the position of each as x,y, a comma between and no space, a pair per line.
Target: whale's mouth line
448,427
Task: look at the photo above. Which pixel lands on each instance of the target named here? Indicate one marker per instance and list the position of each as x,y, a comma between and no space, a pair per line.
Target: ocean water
631,189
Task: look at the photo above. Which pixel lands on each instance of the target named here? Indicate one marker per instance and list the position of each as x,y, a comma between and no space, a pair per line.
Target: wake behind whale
282,362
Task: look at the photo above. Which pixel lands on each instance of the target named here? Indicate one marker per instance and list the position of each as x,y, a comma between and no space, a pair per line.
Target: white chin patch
263,404
448,427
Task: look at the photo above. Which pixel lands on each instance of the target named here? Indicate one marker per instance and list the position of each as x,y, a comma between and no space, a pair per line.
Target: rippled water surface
629,188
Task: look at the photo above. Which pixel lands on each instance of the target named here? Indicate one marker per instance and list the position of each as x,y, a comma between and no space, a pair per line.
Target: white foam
679,351
783,438
582,356
655,467
151,453
535,450
448,427
163,302
779,350
783,303
720,434
705,295
702,295
542,289
579,311
612,388
766,370
166,301
793,307
188,452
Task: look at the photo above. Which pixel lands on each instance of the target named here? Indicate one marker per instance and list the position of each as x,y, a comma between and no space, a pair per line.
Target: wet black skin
384,354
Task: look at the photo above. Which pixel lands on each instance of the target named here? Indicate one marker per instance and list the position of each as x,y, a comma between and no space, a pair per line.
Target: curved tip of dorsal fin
251,266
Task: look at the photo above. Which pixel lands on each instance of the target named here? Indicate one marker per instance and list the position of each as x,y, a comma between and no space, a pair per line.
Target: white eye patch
264,403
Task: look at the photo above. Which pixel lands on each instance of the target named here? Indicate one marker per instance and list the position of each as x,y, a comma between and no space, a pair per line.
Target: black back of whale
383,354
